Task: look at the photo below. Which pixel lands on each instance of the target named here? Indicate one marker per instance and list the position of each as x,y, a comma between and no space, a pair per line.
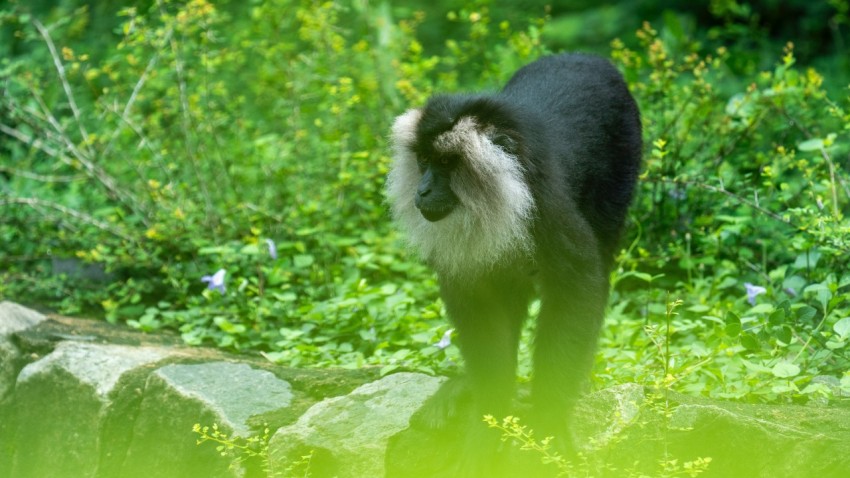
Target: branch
144,142
33,142
41,177
191,151
150,66
92,169
83,217
60,69
125,114
732,195
832,182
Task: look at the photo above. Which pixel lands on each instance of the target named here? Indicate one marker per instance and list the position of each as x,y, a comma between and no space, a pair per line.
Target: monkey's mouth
435,215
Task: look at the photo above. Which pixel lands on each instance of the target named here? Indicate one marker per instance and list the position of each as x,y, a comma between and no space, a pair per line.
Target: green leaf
250,250
755,367
806,313
750,342
207,251
777,317
642,276
285,296
821,292
813,144
783,334
387,369
762,309
807,260
845,383
733,324
842,327
302,261
785,369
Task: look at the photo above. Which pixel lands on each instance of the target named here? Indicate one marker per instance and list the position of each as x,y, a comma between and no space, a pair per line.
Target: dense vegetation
217,169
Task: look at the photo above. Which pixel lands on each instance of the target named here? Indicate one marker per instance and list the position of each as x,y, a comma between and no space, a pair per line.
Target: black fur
575,129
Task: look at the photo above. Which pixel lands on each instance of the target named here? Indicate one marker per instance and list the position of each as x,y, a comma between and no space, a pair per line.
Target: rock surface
348,435
82,398
86,399
75,380
13,318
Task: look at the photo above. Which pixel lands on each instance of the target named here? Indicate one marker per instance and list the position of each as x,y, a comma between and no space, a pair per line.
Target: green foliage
589,463
198,132
254,448
741,185
190,144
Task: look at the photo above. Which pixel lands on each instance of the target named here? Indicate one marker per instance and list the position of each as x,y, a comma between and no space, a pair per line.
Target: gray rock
13,318
348,435
61,402
761,441
607,414
99,366
76,269
234,391
177,397
746,440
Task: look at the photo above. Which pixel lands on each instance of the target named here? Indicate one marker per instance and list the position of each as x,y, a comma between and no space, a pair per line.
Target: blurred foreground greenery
216,169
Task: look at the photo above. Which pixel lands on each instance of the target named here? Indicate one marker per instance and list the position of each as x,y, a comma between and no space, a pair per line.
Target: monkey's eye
421,163
448,160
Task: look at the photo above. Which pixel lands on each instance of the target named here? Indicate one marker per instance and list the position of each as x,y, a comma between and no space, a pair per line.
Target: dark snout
434,198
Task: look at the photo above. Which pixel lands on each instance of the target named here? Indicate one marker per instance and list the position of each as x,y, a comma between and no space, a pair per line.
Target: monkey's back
589,124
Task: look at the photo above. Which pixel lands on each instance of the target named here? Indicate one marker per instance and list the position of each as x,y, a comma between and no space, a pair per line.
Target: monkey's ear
404,127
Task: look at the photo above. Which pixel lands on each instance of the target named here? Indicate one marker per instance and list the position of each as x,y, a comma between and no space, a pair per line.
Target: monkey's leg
488,314
565,341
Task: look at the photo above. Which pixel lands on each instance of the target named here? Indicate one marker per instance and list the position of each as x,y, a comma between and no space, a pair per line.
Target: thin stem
732,195
82,217
125,113
41,177
60,69
186,122
832,182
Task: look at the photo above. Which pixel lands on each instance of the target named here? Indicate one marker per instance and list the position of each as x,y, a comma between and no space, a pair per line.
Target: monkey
518,194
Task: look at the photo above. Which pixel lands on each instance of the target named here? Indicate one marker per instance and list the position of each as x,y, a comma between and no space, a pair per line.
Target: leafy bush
743,185
251,139
193,147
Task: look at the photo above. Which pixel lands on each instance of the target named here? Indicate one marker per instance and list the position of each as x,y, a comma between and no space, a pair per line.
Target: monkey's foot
452,402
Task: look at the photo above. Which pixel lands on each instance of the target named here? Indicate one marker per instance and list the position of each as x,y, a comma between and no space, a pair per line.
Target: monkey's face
457,188
434,196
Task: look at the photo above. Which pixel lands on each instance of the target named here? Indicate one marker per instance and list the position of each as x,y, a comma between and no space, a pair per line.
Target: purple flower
753,291
215,281
272,248
446,340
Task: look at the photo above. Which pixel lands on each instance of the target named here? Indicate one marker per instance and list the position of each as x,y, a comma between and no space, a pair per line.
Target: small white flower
753,291
272,248
446,340
216,281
